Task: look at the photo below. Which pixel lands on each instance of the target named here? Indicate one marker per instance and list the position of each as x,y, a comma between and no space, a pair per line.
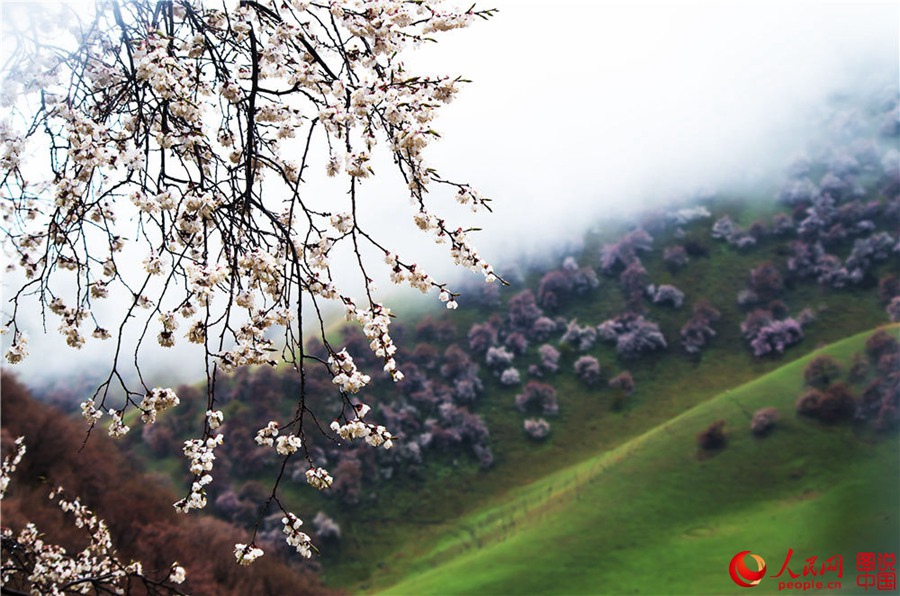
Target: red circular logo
741,574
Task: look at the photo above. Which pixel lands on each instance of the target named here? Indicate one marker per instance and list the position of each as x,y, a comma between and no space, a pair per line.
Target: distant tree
587,368
523,311
668,295
632,334
543,328
623,381
782,224
578,337
723,228
498,358
837,403
880,343
776,337
643,337
549,358
675,257
516,343
539,397
510,377
888,288
821,371
764,421
537,428
713,438
633,279
893,309
808,403
766,282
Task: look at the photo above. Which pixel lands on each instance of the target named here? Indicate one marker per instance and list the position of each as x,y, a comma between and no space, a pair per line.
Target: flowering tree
185,137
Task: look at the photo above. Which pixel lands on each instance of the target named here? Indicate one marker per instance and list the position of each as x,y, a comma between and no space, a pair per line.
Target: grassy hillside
653,516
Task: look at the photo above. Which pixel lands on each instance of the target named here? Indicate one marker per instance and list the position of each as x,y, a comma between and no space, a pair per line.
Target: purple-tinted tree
523,311
766,281
821,371
536,428
808,403
675,257
554,288
539,397
619,255
481,337
587,368
543,329
668,295
776,337
549,358
516,343
633,280
893,310
623,381
782,224
764,421
578,337
498,358
698,330
510,377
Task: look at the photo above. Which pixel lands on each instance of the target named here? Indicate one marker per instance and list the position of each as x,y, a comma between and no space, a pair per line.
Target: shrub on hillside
498,358
766,282
539,397
516,343
549,358
580,338
821,371
523,311
764,421
633,335
619,255
880,343
698,330
837,403
510,377
587,368
713,438
808,403
537,428
893,310
481,337
543,328
776,337
623,381
675,257
667,295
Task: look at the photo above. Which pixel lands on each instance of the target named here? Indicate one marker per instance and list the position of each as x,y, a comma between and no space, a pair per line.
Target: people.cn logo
741,574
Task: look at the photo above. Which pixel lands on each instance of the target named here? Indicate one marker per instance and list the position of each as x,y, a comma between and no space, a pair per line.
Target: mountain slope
652,516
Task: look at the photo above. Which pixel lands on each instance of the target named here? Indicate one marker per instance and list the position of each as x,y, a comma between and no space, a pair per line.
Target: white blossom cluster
319,478
47,568
287,444
295,537
117,427
18,351
155,401
200,453
247,553
266,435
11,462
375,435
350,379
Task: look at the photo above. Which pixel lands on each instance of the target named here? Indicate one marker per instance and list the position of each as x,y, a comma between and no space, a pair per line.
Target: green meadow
655,515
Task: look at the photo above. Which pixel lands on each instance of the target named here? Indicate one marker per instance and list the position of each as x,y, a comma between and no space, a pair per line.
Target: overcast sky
583,110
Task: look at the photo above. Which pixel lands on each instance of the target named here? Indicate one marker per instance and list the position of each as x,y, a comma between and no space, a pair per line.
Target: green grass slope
652,516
